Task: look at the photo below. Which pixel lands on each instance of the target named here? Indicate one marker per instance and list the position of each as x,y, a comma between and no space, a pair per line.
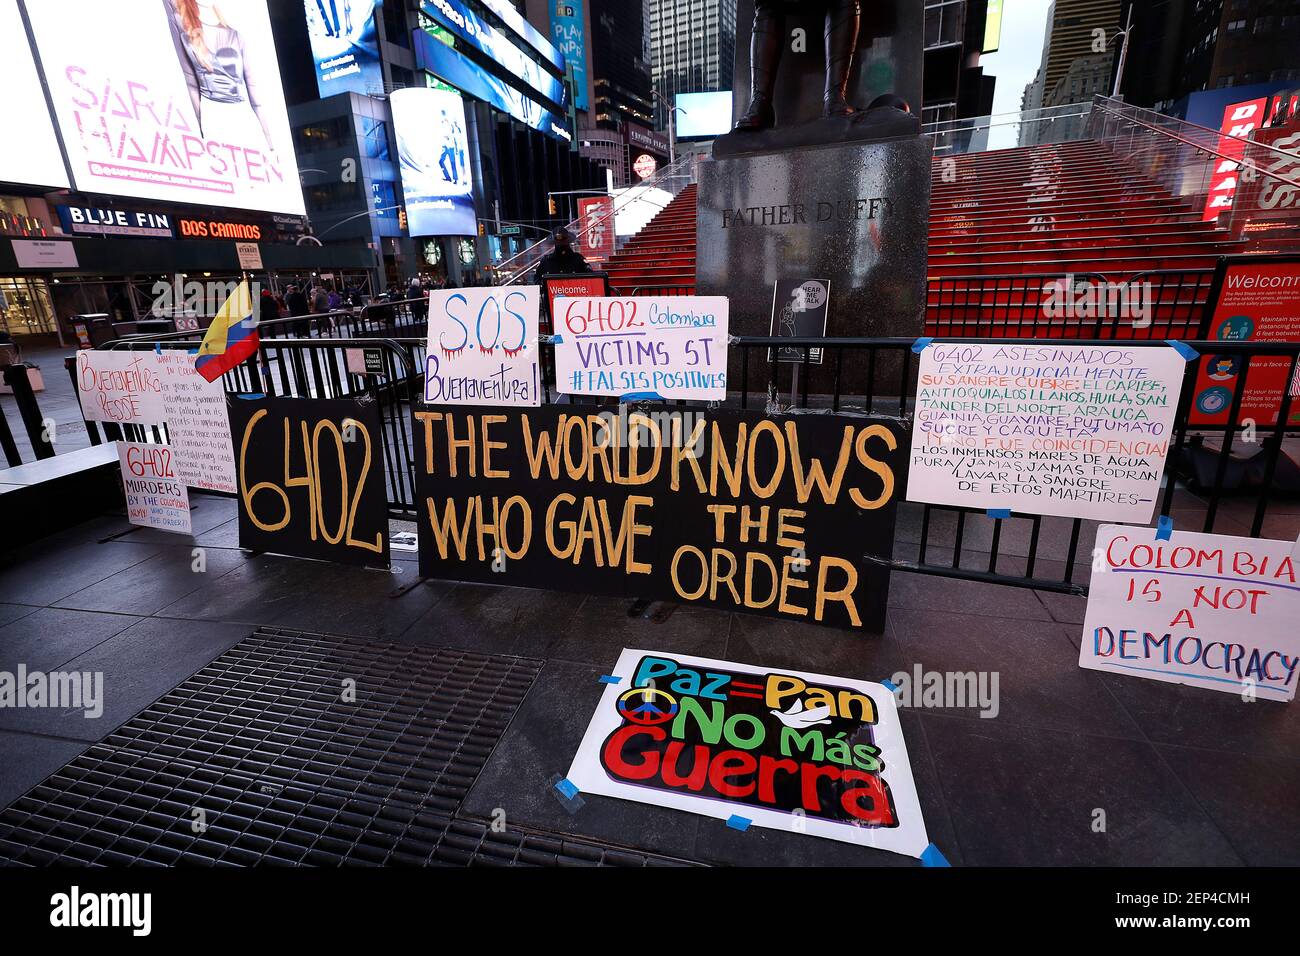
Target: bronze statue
766,44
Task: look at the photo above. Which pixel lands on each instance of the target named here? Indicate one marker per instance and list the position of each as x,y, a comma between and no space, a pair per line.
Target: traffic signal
550,204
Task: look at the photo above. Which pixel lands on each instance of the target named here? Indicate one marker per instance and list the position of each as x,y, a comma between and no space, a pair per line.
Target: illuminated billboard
345,46
455,70
173,100
569,33
433,154
39,161
703,115
461,21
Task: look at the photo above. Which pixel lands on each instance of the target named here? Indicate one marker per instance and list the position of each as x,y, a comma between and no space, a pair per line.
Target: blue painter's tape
999,513
194,351
157,348
737,822
1182,348
931,856
890,685
251,396
567,788
1164,528
641,397
919,345
609,679
557,339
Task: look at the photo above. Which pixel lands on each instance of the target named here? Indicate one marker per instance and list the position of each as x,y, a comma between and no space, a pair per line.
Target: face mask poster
1074,431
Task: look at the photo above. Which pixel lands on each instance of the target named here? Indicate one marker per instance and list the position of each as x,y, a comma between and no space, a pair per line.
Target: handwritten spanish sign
1076,431
787,750
1208,610
646,347
483,347
155,494
197,426
730,509
121,387
311,478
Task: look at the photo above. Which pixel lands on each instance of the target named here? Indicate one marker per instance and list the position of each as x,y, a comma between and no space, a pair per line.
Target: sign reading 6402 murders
805,753
311,478
732,509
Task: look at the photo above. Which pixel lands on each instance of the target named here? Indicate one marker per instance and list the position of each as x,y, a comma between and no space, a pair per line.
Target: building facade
692,49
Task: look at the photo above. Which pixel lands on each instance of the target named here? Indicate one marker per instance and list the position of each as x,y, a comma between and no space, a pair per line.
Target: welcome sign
730,509
788,750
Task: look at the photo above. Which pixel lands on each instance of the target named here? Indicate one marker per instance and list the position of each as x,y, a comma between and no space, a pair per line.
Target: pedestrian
563,259
299,308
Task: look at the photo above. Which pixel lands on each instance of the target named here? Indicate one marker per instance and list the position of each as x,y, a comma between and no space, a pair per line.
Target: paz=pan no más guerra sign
1208,610
642,347
787,750
1073,431
726,508
482,346
311,478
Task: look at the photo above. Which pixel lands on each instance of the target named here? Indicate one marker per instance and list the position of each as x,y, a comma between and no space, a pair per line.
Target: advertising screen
568,31
39,161
467,26
452,68
703,115
175,100
345,45
433,152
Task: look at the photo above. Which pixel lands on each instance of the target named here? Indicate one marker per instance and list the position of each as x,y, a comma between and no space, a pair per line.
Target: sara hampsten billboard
175,100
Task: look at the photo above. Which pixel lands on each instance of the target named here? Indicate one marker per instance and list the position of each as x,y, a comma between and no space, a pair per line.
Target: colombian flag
231,338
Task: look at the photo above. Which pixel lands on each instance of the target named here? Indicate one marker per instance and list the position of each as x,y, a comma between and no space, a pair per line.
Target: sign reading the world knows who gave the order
652,347
732,509
1209,610
1075,431
804,753
482,347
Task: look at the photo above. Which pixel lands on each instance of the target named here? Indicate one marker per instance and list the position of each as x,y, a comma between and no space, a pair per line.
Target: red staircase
662,254
1002,223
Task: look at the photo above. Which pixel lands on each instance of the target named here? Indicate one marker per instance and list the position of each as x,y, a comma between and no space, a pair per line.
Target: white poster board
1208,610
122,387
787,750
644,347
155,495
482,347
1076,431
197,425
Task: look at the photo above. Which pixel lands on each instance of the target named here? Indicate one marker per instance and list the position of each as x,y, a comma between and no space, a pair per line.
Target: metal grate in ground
296,748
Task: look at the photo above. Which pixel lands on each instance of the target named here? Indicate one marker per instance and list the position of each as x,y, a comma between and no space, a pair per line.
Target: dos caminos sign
730,509
805,753
311,478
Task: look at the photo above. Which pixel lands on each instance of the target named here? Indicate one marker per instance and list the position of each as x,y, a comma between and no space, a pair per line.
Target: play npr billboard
173,100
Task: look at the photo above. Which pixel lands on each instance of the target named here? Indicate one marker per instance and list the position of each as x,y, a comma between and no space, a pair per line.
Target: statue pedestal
853,213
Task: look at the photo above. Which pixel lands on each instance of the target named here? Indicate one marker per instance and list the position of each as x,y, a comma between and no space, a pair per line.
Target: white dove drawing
796,716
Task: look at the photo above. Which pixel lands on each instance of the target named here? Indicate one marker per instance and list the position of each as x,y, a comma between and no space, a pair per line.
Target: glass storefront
25,306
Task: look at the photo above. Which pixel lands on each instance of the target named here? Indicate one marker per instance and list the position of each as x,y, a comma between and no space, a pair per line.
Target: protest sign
482,347
197,426
787,750
731,509
155,494
651,347
1076,431
311,478
578,285
122,387
1208,610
